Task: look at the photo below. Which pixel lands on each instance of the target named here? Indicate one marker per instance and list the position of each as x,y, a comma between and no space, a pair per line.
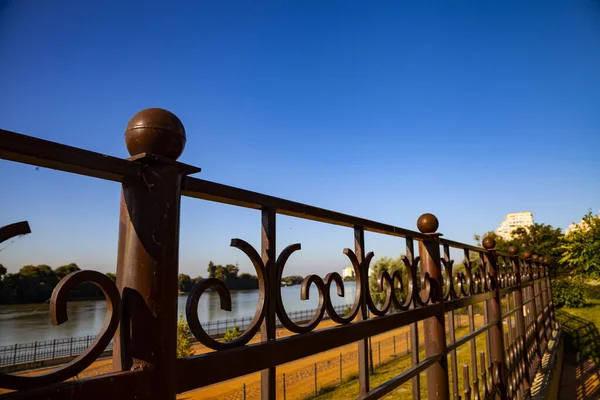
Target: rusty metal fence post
268,376
148,251
434,328
494,306
363,345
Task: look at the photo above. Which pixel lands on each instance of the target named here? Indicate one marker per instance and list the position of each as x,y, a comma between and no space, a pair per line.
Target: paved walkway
580,378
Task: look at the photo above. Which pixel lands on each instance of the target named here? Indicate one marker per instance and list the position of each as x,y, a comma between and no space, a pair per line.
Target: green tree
65,270
232,334
184,344
185,283
581,248
212,270
292,280
568,292
245,282
35,283
196,280
384,264
541,239
3,271
112,276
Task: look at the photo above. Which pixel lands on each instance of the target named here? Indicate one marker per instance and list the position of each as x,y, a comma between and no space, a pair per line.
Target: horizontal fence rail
502,350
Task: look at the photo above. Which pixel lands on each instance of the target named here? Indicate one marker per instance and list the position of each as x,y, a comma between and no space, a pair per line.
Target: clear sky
385,110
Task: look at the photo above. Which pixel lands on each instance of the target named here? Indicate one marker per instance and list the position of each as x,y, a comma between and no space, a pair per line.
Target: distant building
574,227
348,272
513,221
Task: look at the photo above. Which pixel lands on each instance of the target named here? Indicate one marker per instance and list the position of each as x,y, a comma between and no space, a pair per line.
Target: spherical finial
546,260
428,223
155,131
527,255
535,257
513,250
488,242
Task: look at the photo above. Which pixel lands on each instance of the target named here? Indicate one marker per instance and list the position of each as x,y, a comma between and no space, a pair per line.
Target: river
31,322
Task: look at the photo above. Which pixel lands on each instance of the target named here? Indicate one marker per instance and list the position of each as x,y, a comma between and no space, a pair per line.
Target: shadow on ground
581,367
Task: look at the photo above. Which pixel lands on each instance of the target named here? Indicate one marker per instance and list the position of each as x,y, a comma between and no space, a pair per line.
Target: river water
31,322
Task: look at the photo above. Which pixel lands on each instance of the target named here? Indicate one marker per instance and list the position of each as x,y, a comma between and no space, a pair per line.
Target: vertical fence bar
471,320
341,367
35,345
362,280
371,364
268,328
244,390
15,354
71,347
53,348
467,386
284,387
486,317
316,391
494,306
148,250
452,334
414,332
434,328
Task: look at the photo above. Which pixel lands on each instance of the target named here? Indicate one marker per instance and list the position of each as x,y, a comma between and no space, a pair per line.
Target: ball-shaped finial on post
545,260
428,223
488,243
513,250
155,131
535,257
527,255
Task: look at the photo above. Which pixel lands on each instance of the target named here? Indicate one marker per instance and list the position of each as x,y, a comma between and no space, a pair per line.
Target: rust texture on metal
147,260
434,329
142,306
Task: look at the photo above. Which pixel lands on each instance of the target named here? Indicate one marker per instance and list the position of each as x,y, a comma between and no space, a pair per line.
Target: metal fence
22,353
511,355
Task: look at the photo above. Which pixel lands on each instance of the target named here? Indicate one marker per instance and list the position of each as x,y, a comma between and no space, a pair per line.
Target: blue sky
469,110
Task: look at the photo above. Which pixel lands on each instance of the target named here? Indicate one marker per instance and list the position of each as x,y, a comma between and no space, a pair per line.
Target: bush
184,345
568,292
232,334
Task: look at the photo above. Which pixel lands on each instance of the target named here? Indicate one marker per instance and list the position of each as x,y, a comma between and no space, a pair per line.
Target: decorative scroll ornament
58,315
191,308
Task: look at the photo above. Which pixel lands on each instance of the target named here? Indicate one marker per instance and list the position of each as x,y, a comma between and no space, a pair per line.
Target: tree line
230,275
35,283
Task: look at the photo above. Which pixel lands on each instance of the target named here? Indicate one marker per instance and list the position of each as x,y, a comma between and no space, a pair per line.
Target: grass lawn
580,326
390,369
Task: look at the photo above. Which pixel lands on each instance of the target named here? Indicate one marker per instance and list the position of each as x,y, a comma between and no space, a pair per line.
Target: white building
348,272
573,227
513,221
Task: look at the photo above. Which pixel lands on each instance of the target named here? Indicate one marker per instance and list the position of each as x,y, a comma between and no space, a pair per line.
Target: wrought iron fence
519,328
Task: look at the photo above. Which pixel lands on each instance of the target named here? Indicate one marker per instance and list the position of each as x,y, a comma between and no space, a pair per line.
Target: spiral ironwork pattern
58,315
